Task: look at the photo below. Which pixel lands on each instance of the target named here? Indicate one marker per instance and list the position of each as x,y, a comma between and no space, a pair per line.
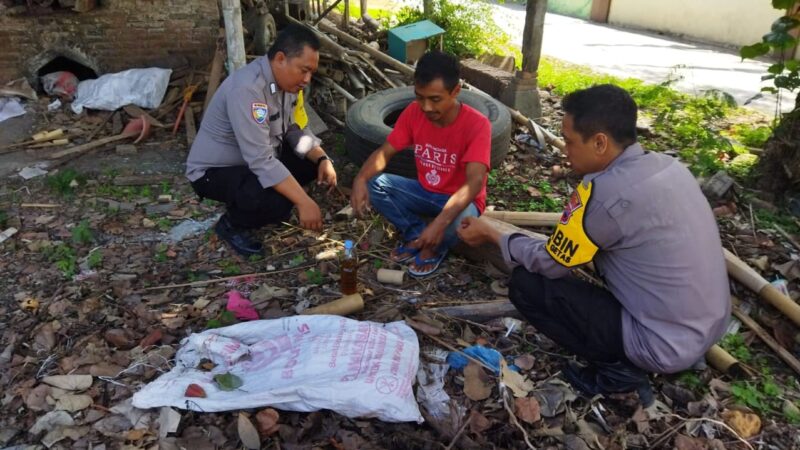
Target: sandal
418,262
406,252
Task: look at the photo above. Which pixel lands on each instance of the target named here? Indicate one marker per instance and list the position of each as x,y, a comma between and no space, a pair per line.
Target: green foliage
161,253
470,29
224,319
3,219
734,344
751,136
95,259
691,380
315,276
377,263
297,260
766,219
763,395
81,234
64,258
229,268
742,165
682,122
784,74
63,182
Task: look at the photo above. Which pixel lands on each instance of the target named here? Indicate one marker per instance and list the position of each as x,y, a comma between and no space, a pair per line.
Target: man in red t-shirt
452,145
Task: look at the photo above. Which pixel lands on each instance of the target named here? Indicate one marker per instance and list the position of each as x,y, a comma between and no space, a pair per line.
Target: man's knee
526,290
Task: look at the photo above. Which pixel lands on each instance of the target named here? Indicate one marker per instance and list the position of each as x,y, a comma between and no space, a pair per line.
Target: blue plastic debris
488,356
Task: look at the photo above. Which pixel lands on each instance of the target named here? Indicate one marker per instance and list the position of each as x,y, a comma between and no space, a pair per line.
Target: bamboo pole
751,279
784,354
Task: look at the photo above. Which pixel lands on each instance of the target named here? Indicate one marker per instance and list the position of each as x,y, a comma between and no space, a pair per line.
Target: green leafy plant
64,258
95,259
229,268
81,233
64,182
470,29
224,319
734,344
161,253
315,276
691,380
751,136
297,260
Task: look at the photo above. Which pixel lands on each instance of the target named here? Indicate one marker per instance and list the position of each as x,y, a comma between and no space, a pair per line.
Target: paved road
650,57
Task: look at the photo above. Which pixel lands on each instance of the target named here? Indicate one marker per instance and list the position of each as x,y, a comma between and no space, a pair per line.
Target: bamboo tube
348,304
391,276
723,361
746,275
525,219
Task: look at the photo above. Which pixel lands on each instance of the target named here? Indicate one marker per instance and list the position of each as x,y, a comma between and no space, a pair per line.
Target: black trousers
579,316
248,204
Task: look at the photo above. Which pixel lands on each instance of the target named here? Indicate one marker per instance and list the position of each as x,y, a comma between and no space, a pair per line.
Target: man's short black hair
436,64
604,108
292,39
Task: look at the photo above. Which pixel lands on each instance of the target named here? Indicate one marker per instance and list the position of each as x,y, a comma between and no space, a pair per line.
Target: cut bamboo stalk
391,276
93,144
348,304
751,279
723,361
525,219
784,354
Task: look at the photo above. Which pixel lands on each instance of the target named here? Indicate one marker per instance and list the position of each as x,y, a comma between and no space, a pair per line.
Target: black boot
610,378
237,238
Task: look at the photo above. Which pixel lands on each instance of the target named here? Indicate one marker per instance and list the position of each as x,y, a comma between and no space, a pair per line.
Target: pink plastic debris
241,307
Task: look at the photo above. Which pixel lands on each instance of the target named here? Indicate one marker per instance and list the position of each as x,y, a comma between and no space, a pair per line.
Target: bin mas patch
260,112
569,244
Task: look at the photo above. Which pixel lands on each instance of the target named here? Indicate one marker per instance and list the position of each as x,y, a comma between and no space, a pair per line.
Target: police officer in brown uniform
254,150
641,218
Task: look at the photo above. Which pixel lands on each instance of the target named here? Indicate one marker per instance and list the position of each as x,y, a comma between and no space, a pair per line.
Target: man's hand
476,231
310,215
359,197
431,236
326,174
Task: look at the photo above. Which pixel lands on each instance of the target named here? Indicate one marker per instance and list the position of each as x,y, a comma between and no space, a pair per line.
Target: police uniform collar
269,77
631,151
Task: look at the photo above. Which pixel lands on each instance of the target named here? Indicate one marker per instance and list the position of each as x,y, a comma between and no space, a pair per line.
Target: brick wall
118,35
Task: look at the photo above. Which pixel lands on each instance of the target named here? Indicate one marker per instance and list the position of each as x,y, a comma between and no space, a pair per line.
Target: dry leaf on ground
69,382
515,381
248,433
477,383
267,420
746,424
527,409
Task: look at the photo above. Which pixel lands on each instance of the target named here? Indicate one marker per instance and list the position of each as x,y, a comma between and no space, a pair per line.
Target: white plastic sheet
10,107
299,363
140,87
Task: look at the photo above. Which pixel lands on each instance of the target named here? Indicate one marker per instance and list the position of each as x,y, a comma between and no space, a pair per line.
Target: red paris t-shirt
442,153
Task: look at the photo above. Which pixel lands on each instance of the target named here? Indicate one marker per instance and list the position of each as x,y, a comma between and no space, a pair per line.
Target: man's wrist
324,158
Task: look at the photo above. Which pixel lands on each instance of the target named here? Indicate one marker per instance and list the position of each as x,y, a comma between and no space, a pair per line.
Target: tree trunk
778,168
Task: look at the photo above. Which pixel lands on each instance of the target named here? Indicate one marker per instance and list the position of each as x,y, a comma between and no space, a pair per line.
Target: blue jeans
403,202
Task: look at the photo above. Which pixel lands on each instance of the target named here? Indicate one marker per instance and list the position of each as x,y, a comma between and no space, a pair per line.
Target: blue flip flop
409,251
435,260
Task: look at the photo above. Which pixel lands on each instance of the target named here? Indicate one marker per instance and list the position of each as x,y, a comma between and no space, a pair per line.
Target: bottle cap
348,244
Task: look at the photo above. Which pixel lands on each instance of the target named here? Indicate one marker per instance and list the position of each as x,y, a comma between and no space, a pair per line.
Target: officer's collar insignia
273,88
260,112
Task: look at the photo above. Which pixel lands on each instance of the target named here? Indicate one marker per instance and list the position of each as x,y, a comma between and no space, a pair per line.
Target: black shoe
240,240
610,378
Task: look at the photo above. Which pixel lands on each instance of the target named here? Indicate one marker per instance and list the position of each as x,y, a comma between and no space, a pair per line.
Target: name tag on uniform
260,112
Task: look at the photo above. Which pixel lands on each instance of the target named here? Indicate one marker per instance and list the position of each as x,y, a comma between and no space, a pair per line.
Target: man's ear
280,57
456,89
600,143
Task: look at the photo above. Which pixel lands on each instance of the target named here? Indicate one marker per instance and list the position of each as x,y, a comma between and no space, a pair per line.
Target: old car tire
370,120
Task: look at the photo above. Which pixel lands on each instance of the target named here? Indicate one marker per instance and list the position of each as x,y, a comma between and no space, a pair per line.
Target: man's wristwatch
323,158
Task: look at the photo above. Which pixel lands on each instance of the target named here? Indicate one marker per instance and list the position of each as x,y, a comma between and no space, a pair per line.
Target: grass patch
698,128
64,182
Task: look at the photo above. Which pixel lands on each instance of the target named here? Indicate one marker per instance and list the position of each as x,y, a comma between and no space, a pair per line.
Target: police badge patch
260,112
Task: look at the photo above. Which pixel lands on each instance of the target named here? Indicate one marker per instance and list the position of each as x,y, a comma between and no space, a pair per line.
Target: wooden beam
234,34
